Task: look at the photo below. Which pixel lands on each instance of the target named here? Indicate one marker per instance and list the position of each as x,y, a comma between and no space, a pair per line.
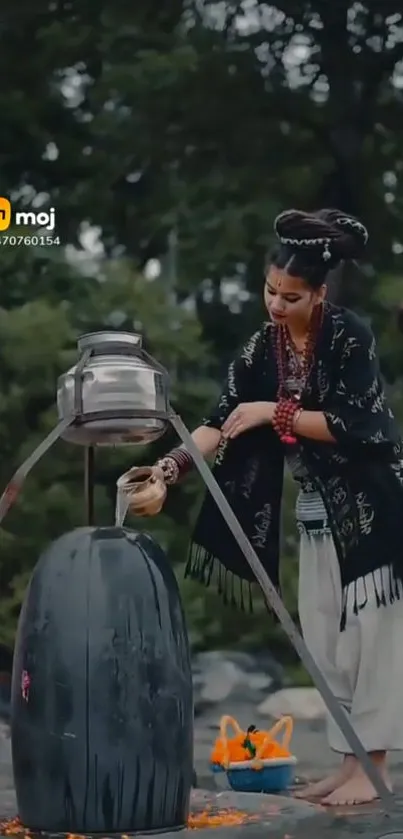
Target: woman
306,388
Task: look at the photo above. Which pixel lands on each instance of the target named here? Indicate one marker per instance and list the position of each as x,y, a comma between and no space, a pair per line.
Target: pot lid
91,340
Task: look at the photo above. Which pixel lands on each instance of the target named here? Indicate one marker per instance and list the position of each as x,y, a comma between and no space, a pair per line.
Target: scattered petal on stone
220,818
12,827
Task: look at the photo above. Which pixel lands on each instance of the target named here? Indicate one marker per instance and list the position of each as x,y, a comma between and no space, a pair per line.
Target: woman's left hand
246,416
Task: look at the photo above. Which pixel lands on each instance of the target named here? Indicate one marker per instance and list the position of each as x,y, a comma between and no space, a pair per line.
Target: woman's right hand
145,490
158,473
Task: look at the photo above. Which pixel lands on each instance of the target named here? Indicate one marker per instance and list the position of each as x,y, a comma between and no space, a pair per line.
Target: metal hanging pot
118,394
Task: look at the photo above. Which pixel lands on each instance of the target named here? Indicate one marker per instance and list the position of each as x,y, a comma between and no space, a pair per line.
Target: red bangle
283,419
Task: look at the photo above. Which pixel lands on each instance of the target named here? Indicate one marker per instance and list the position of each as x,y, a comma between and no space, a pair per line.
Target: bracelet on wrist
175,465
169,468
284,419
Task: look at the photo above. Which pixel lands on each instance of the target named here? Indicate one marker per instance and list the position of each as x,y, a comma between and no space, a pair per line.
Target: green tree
179,130
37,343
204,119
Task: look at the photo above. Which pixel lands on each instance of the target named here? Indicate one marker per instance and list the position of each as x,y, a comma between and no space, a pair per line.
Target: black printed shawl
360,477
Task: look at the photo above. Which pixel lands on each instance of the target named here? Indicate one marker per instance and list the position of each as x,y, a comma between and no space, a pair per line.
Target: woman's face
290,300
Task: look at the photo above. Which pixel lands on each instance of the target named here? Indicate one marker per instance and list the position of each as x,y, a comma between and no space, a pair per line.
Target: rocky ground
254,690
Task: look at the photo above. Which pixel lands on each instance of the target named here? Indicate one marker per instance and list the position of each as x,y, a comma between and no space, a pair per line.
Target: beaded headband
326,255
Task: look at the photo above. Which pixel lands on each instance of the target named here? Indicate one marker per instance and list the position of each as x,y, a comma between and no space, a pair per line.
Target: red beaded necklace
288,406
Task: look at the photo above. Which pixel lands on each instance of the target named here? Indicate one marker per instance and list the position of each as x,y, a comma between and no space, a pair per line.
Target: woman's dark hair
312,244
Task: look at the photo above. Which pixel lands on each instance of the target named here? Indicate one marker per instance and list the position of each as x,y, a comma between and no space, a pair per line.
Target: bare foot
328,785
358,789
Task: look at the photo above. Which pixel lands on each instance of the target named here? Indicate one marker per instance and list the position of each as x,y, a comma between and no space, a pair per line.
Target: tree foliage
178,131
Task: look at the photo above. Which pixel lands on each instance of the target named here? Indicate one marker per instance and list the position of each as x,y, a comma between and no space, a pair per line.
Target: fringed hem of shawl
387,591
234,591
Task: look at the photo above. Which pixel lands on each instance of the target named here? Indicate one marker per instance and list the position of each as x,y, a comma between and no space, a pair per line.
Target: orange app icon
5,213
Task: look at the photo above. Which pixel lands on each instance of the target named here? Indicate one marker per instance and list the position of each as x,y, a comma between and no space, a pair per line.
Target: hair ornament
346,221
306,243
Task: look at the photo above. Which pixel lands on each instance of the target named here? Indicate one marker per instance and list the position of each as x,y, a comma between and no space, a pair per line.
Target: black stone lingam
101,709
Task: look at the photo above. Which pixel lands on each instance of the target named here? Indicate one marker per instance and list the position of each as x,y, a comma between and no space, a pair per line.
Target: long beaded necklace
289,405
294,366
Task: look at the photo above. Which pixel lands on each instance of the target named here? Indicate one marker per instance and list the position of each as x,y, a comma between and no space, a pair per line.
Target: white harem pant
363,664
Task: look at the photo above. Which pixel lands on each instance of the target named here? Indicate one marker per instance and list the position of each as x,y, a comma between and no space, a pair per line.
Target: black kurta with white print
360,476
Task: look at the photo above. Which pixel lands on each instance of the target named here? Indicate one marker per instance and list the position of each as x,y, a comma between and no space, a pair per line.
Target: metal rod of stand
16,483
89,463
274,601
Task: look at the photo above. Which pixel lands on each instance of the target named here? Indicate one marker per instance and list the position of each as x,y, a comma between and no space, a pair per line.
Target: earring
317,317
326,253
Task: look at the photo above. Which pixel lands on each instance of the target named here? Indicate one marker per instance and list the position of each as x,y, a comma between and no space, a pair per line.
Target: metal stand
16,483
274,601
14,486
89,463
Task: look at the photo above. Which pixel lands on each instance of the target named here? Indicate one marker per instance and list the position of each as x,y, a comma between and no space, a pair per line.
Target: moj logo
24,218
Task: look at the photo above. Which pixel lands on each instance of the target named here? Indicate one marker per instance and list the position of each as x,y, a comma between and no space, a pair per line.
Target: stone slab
260,814
277,816
274,816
